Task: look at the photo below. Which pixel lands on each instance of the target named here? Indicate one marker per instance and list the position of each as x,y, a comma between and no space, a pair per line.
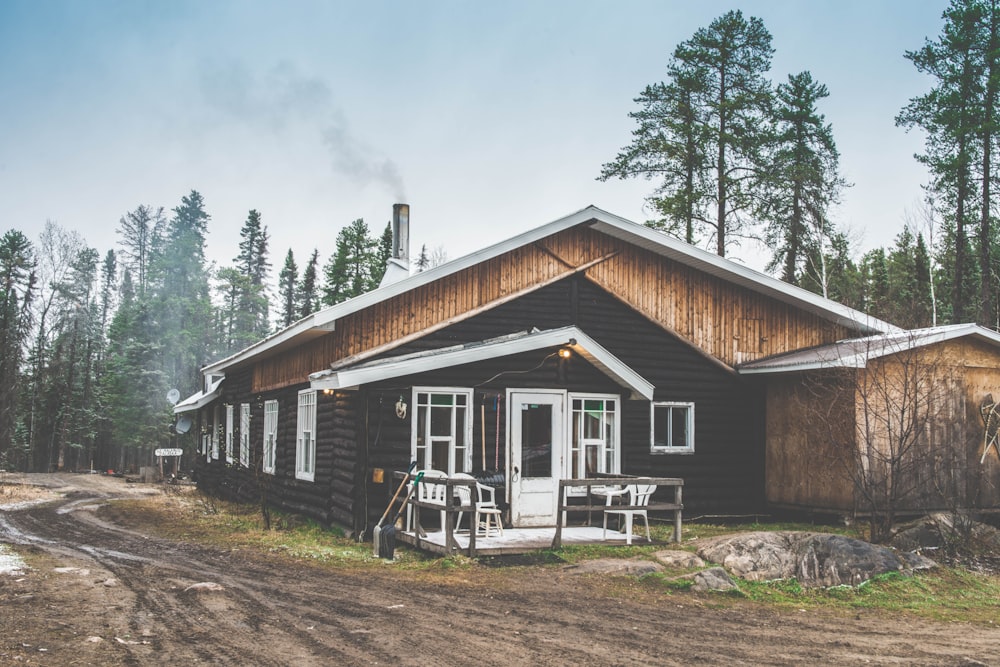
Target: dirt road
101,594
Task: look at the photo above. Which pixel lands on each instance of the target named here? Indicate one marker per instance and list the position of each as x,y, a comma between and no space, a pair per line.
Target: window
595,435
442,429
672,428
245,435
215,433
270,435
305,441
229,434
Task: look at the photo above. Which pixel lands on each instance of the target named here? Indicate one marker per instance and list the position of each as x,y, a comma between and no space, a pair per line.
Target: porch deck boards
516,541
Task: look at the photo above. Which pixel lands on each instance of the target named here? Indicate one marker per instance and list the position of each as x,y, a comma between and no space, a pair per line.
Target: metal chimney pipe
401,232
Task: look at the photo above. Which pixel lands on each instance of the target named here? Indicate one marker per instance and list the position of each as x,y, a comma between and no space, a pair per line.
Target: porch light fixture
564,353
401,408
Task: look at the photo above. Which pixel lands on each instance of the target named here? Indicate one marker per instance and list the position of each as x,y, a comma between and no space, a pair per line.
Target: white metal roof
201,398
572,337
857,352
325,320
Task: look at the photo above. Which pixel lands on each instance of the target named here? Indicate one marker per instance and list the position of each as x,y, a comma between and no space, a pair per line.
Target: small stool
486,523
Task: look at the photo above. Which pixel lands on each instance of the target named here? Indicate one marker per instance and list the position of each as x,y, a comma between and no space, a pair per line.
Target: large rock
943,530
814,559
678,558
712,579
629,566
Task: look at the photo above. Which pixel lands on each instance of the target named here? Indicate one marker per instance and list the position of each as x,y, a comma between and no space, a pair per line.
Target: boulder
678,558
630,566
814,559
713,579
942,530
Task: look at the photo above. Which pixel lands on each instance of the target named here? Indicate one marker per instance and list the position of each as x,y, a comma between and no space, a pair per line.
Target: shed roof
324,321
857,352
571,337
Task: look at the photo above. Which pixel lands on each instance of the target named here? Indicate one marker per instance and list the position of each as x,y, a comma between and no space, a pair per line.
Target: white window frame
270,436
686,448
229,433
425,460
245,435
305,436
576,426
215,433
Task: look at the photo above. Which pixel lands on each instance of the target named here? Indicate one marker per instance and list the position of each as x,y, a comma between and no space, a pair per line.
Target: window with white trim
245,435
229,434
270,435
442,429
595,434
671,428
216,424
305,439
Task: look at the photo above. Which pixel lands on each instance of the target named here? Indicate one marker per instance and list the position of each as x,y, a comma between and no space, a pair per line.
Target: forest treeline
91,344
735,157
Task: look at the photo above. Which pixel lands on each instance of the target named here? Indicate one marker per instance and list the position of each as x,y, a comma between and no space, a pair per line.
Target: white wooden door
536,424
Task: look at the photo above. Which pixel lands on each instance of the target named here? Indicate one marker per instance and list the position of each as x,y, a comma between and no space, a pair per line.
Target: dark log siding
724,475
358,431
330,497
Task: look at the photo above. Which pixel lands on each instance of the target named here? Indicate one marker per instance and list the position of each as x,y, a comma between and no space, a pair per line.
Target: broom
387,536
378,527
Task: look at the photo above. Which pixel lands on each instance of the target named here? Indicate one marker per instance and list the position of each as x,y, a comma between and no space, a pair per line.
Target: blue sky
487,118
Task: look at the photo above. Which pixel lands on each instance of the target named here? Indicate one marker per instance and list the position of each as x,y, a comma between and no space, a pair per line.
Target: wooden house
587,345
887,423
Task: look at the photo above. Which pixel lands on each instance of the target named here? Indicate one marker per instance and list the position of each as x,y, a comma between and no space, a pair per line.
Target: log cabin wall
329,498
730,323
724,475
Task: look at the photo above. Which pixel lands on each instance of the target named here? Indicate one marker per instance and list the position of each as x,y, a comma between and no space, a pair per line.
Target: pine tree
308,296
721,71
423,261
804,176
287,283
349,272
182,308
17,272
950,115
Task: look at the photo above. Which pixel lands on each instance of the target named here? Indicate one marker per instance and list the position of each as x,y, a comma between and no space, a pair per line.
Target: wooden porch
586,528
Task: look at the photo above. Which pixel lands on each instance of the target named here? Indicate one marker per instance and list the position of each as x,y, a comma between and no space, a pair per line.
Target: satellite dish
183,424
173,396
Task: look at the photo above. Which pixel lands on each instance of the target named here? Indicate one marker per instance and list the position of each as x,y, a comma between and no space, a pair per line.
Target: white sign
168,452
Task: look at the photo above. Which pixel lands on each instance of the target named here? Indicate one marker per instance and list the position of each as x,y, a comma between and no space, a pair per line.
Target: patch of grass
947,594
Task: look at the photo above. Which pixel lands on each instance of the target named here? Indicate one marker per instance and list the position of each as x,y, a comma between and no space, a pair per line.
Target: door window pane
536,440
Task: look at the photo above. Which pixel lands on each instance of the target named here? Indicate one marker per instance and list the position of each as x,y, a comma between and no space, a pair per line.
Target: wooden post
677,513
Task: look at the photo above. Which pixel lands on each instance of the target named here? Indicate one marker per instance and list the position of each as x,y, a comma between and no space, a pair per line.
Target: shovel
387,536
378,527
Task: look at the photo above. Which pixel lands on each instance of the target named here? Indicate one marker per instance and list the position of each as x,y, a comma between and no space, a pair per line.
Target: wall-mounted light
401,408
564,353
328,392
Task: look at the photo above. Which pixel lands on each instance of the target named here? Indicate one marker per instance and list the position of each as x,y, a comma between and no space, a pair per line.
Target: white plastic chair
464,494
487,510
432,490
638,496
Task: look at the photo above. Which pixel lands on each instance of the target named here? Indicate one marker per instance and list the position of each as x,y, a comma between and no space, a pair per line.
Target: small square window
672,428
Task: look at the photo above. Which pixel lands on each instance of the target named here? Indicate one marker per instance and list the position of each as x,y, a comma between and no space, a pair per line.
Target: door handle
517,474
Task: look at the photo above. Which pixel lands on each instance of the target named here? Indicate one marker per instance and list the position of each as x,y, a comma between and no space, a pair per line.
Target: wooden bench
564,507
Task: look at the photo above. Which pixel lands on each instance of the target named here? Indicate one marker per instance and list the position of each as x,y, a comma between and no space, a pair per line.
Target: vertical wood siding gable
731,323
